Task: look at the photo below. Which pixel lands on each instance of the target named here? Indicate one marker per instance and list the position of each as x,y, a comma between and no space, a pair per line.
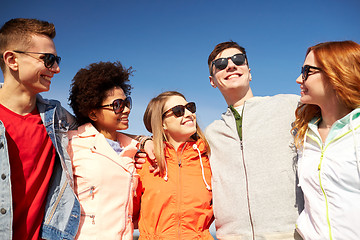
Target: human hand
153,168
149,150
140,159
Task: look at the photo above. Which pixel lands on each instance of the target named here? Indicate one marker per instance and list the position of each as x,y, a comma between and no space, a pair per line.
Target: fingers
140,155
149,149
140,159
138,166
151,155
154,169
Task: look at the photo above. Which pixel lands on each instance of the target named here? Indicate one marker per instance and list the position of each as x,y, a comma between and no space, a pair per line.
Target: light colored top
329,174
255,191
104,182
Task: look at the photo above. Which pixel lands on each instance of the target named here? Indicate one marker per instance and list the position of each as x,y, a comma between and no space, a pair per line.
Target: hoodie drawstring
166,172
202,167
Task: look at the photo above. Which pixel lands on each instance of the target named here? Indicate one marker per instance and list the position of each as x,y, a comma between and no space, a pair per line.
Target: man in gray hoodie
255,194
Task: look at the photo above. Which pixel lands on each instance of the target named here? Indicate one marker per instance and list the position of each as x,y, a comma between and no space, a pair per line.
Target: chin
192,133
123,127
305,100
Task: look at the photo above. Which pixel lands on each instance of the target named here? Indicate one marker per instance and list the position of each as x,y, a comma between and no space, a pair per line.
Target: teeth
47,78
232,76
186,122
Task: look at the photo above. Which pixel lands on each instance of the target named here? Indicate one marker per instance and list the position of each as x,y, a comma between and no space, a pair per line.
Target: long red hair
340,63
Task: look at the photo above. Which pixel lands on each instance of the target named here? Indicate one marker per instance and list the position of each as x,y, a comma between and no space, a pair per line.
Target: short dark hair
90,84
18,31
221,47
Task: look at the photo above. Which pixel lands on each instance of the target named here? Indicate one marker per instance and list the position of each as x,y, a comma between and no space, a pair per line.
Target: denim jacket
62,210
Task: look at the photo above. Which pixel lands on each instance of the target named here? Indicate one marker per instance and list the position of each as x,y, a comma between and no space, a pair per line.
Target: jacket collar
340,127
186,148
100,145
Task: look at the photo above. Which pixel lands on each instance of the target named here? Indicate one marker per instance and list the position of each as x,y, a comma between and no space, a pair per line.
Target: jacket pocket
87,192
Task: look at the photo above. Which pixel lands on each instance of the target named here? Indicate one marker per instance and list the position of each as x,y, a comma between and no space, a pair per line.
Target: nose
187,113
231,64
299,80
55,68
126,110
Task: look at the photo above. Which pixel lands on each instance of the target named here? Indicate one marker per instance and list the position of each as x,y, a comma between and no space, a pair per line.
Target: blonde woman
177,203
327,135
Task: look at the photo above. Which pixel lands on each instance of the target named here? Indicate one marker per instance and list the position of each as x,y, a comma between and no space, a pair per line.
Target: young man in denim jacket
36,195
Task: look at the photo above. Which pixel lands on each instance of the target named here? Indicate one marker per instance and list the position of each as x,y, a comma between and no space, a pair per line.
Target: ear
92,115
11,60
211,78
250,77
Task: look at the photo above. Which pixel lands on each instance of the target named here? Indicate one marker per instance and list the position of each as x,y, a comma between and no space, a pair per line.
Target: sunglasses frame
122,105
233,59
48,63
305,71
181,110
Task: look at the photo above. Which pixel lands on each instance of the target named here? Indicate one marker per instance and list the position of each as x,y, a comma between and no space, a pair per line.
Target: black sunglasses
305,71
237,59
179,110
48,58
118,105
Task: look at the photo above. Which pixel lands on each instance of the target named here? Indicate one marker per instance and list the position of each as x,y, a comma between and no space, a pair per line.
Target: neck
331,113
17,99
237,98
176,145
107,134
177,142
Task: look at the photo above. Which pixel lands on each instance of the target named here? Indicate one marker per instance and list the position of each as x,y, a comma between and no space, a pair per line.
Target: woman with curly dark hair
103,158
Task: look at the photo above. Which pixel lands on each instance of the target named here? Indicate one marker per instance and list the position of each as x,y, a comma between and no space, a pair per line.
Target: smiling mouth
233,76
123,120
46,77
188,122
303,90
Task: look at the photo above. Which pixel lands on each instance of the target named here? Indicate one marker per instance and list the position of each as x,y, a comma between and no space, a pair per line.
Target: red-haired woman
327,135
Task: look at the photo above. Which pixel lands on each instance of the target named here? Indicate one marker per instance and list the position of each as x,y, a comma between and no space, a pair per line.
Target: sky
167,43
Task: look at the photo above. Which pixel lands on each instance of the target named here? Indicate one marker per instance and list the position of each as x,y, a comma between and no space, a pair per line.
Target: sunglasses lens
238,59
221,63
302,72
119,104
178,110
128,102
50,59
191,107
305,72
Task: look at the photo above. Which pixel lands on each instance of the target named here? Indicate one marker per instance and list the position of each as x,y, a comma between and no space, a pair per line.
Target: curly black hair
90,84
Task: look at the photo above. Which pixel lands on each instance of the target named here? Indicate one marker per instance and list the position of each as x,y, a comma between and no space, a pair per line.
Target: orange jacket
181,207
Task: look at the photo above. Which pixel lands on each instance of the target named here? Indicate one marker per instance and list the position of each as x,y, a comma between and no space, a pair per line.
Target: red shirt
32,158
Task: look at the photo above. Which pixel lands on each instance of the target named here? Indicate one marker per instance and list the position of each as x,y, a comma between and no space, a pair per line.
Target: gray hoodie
256,194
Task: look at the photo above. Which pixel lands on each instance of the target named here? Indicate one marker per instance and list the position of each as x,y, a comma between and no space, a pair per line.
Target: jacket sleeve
137,201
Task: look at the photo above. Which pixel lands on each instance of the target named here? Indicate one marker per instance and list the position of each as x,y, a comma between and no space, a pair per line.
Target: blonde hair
153,122
340,64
